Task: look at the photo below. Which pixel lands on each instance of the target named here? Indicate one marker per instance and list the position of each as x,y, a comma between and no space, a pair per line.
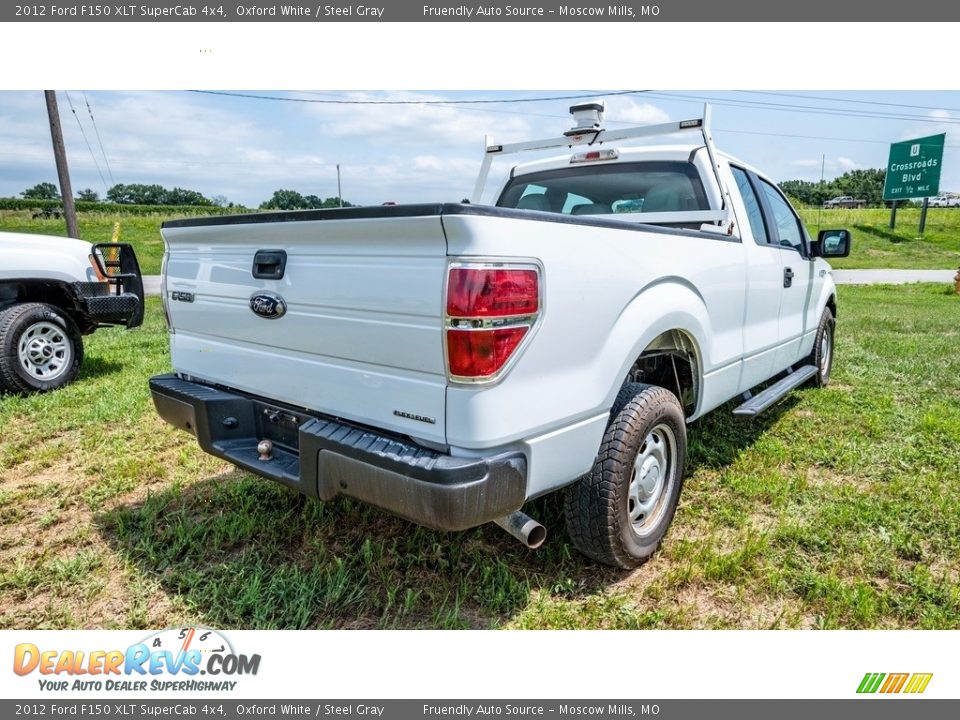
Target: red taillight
481,353
492,292
490,310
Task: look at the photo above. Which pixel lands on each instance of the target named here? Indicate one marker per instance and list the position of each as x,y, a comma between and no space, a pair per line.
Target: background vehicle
945,200
54,290
449,362
844,201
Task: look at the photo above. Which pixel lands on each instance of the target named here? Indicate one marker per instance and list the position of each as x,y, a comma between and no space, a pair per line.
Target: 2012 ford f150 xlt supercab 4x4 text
450,362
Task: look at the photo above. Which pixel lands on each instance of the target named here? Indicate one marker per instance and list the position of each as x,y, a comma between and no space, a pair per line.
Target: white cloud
415,125
625,109
810,168
245,149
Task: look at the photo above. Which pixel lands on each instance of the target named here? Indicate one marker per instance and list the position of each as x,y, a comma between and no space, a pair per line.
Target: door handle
269,264
787,277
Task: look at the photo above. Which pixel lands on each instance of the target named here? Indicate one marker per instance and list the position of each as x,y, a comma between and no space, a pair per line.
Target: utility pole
339,191
823,165
63,173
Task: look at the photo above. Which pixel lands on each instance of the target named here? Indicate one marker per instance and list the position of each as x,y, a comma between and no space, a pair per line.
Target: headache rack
588,131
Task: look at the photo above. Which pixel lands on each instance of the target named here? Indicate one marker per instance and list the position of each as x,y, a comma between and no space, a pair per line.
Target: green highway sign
913,169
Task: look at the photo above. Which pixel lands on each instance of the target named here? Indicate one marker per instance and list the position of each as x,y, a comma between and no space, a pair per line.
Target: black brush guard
122,304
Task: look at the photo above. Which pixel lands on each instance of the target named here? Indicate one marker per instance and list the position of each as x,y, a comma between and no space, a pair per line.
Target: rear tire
822,354
626,394
618,513
41,348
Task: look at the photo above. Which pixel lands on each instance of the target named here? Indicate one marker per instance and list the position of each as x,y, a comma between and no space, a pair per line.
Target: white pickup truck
945,200
54,290
450,362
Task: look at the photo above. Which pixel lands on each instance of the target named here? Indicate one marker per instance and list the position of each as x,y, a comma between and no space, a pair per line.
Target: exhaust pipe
524,528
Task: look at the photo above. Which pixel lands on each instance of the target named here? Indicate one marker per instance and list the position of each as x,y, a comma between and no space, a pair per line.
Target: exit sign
913,169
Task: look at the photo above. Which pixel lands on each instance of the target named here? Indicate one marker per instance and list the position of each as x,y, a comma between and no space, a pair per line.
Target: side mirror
832,244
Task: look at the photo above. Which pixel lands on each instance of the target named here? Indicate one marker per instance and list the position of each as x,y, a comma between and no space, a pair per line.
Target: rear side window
752,202
594,189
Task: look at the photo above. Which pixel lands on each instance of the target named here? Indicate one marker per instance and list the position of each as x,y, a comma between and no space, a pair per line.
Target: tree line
860,184
142,194
132,194
292,200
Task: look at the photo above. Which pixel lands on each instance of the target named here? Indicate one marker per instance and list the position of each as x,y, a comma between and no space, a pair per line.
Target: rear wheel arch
832,304
671,361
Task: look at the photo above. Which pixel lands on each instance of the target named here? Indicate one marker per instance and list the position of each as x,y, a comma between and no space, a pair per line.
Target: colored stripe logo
913,683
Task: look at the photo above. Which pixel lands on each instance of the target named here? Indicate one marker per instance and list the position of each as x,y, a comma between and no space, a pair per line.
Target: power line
99,140
847,100
462,106
408,102
84,134
728,102
220,163
783,107
453,106
812,137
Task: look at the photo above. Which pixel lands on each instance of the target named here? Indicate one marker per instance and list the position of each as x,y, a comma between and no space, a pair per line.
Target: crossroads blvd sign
913,169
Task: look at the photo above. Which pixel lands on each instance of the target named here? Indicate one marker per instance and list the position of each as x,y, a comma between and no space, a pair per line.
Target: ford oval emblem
268,305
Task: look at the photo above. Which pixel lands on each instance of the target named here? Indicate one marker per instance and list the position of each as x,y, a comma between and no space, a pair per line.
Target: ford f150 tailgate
340,312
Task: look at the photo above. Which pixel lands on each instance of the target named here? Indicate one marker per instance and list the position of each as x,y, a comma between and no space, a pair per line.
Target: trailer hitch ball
265,449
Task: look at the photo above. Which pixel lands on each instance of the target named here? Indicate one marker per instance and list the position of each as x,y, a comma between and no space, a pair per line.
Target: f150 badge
268,305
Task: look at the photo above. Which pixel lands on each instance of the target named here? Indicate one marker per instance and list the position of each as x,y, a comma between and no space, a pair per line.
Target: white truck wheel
618,513
40,348
822,354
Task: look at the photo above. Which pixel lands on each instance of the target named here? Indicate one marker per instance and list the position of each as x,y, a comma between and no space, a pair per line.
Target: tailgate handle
269,264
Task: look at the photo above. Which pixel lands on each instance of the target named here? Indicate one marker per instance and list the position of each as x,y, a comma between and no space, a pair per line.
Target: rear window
642,187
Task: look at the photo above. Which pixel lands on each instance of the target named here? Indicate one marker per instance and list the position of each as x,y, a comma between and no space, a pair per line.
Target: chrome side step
758,403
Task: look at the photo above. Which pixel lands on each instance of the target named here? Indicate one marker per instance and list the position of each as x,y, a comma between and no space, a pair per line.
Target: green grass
874,245
838,508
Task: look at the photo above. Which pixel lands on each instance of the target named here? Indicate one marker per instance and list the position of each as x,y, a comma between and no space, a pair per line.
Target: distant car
54,290
844,201
944,200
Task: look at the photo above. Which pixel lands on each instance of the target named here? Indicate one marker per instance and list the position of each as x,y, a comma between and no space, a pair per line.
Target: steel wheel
651,479
45,351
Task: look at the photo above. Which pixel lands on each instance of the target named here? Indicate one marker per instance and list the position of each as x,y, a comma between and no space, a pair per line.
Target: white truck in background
450,362
844,201
53,291
945,200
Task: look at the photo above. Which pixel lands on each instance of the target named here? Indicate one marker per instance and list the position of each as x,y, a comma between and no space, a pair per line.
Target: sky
244,149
